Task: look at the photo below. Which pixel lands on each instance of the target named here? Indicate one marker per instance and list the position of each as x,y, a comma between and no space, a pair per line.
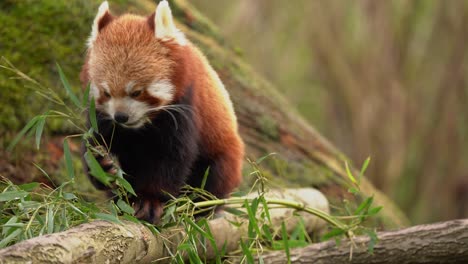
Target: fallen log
445,242
106,242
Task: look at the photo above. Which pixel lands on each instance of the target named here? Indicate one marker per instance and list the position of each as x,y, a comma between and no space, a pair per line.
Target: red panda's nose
120,117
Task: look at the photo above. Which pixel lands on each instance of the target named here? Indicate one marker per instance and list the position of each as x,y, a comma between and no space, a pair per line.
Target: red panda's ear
102,18
150,21
163,25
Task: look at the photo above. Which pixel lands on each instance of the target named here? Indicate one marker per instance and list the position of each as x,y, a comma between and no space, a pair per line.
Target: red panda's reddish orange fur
126,49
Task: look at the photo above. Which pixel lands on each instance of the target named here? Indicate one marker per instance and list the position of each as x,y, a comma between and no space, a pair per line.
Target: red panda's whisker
173,117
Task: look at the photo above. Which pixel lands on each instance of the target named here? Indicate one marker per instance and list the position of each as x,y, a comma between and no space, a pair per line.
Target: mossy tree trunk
269,124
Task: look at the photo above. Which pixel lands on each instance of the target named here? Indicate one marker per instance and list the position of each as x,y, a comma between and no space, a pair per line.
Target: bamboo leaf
23,131
350,175
284,235
68,159
12,195
39,130
125,207
126,185
67,86
364,205
10,237
27,187
107,217
92,115
247,253
205,177
85,100
50,220
95,169
364,168
374,210
333,233
9,224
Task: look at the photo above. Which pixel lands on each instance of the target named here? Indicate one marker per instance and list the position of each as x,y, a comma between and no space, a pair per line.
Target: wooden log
106,242
445,242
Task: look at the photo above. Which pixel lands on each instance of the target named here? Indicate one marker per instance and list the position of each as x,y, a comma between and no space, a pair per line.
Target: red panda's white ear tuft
165,28
102,18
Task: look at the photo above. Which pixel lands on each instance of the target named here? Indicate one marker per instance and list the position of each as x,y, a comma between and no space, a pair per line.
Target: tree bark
106,242
445,242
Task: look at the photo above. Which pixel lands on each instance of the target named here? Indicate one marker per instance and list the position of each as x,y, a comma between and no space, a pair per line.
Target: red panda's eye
107,94
135,93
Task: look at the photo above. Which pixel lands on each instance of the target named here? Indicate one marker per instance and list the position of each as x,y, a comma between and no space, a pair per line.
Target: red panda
161,108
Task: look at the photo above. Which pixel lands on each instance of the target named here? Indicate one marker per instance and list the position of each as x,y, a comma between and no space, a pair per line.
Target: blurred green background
385,79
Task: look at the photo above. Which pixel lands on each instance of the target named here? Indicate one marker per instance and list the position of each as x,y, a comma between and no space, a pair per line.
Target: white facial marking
129,86
136,110
162,89
103,8
106,87
165,28
94,91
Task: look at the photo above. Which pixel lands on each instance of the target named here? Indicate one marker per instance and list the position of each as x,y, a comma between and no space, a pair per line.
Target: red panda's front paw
149,210
107,164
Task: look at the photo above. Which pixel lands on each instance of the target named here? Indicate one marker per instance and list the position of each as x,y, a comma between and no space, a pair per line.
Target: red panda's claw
148,210
107,164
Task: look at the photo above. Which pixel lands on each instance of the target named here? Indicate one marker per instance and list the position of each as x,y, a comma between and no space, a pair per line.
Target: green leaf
27,187
266,210
205,177
50,220
85,100
107,217
125,207
210,237
350,175
264,157
6,227
126,185
297,243
333,233
68,159
131,218
92,115
364,205
267,233
195,226
253,225
39,130
284,235
364,168
373,239
247,253
374,210
12,195
23,131
235,211
96,170
69,196
67,86
10,237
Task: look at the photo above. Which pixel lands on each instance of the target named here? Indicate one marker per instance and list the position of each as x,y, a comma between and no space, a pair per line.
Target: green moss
33,37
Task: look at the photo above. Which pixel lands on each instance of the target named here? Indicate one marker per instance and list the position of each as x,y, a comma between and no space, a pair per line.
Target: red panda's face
130,68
